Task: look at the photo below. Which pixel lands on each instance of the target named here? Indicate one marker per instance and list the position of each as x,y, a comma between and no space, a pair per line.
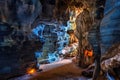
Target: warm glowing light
78,11
88,53
31,71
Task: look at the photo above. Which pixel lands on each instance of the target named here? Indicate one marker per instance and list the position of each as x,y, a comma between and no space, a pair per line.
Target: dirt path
62,70
67,71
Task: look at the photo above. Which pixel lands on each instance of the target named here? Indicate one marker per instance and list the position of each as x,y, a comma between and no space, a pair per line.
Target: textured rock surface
84,25
20,11
16,59
110,38
55,38
17,46
110,27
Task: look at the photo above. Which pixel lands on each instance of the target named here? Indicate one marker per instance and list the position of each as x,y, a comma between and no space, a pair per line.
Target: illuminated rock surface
36,32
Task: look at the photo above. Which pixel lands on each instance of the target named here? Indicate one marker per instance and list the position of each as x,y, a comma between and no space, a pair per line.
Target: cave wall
110,38
17,43
84,24
22,16
55,38
20,12
110,25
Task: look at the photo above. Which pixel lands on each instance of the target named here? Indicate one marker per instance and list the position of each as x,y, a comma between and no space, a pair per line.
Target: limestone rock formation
110,28
16,44
23,12
55,38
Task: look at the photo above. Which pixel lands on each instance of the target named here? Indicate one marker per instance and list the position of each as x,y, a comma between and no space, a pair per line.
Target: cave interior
43,36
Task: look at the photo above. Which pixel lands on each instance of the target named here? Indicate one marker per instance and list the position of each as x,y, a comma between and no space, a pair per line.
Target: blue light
61,39
53,57
39,30
38,54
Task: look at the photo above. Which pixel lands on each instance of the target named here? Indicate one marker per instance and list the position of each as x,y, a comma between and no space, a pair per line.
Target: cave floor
65,69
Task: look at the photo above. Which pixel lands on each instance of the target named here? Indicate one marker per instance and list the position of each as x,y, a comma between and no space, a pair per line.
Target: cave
59,40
